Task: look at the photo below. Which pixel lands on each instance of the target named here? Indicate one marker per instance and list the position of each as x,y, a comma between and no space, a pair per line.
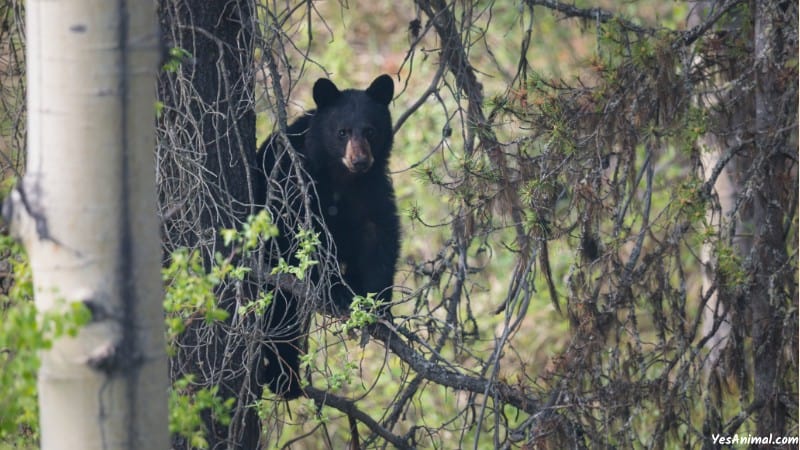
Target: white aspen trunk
714,313
726,188
86,213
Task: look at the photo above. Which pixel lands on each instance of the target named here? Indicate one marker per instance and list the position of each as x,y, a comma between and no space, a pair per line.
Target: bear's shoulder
296,131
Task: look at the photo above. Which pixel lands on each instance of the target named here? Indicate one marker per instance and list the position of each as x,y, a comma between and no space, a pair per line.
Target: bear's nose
361,163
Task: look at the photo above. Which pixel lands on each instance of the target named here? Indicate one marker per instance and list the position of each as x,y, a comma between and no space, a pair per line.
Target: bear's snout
357,156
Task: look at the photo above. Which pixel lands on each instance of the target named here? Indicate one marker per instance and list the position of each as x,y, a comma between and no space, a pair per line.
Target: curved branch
348,407
432,88
449,378
428,370
598,14
695,33
604,16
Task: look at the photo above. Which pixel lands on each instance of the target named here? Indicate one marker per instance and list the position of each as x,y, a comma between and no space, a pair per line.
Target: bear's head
352,129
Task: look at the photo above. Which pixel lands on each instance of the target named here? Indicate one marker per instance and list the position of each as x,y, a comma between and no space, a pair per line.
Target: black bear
344,146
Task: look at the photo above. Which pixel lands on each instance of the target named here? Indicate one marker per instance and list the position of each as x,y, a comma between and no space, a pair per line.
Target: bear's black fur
344,146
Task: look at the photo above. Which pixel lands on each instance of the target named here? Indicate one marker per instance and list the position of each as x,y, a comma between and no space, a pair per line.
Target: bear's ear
382,89
325,92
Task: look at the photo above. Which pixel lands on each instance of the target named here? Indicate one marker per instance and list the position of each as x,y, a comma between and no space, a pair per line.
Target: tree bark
769,253
86,213
751,188
208,130
721,212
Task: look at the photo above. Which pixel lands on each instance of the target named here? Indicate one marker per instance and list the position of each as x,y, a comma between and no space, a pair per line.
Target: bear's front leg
376,261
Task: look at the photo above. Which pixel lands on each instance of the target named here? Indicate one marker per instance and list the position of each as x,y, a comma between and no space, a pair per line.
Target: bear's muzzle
357,155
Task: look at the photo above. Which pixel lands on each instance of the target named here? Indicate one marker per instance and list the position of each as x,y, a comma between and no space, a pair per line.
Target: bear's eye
369,132
342,133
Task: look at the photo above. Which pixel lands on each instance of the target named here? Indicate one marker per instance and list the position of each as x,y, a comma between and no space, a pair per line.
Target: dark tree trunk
770,258
206,146
211,97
